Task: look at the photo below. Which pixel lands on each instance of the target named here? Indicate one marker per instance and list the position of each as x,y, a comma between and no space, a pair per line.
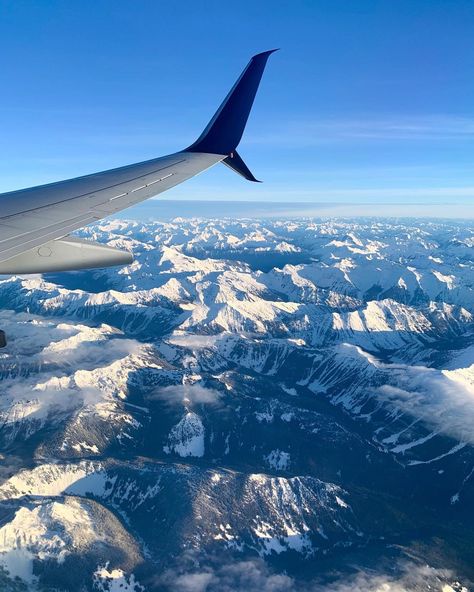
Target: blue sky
367,101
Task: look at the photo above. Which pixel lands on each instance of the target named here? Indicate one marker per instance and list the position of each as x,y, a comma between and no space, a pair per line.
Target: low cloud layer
438,399
409,578
248,576
256,576
186,394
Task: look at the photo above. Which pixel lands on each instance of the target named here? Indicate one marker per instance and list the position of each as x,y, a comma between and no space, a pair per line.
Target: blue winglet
234,161
224,132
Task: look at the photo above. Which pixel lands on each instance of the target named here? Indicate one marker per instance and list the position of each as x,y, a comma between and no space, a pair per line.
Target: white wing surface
34,222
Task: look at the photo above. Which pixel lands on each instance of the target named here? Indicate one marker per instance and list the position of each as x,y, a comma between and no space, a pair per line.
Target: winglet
224,132
235,162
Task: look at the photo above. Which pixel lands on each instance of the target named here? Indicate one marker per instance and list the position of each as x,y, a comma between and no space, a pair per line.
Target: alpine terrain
266,405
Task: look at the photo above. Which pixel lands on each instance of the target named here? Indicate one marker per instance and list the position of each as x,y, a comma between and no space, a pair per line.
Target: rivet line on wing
87,194
142,186
117,196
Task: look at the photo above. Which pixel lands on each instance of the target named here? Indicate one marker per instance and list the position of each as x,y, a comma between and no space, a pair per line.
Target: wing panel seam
96,191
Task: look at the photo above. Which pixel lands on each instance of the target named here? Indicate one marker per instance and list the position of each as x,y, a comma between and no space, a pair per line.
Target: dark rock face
249,405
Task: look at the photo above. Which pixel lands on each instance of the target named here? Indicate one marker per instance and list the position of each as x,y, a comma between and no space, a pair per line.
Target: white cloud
187,394
242,576
195,582
430,395
410,578
256,576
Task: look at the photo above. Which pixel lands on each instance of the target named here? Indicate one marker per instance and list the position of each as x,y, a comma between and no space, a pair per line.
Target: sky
367,102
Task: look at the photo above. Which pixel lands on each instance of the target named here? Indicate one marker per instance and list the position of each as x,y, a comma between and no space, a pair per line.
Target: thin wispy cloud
300,133
427,195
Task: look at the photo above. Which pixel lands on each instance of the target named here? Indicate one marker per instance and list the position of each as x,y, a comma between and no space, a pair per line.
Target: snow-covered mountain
249,404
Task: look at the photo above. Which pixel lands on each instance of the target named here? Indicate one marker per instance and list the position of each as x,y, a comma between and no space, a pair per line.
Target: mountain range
252,404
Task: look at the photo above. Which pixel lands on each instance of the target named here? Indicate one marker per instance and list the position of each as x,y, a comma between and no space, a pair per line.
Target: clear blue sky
367,101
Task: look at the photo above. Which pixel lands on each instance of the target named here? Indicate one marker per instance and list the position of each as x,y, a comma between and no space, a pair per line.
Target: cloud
440,401
252,576
310,199
242,576
187,394
409,578
300,134
194,341
196,582
256,576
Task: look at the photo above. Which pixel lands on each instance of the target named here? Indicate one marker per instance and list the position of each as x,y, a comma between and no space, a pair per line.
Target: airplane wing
35,223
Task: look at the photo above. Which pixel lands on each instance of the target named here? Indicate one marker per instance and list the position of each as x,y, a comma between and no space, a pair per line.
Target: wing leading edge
31,220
